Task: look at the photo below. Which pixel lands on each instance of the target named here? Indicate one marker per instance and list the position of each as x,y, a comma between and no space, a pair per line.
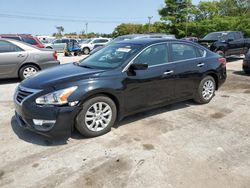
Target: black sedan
121,79
246,63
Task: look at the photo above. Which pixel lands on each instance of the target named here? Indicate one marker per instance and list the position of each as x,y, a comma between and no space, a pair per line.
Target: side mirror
142,66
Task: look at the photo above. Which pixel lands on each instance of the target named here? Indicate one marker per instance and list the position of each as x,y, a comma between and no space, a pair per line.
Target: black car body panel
246,63
132,91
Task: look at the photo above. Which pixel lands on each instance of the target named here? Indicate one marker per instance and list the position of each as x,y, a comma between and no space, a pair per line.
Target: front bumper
28,110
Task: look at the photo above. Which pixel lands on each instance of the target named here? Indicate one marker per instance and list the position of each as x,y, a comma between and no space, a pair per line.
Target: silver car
18,59
59,44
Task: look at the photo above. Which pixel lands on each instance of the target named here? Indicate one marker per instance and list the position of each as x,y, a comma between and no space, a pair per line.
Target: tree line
182,18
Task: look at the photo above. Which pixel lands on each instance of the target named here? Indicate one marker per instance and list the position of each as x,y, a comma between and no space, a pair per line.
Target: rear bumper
222,76
49,64
246,65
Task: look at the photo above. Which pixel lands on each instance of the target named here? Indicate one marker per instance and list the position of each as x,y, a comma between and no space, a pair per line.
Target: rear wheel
85,51
206,90
97,116
221,53
27,71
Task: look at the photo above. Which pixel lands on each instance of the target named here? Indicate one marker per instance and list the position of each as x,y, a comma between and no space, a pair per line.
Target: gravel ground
181,145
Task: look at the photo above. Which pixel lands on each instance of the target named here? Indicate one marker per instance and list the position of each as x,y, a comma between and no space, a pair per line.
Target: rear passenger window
6,47
181,51
58,41
201,52
153,55
65,40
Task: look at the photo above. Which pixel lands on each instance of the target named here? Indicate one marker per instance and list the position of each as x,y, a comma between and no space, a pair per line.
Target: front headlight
59,97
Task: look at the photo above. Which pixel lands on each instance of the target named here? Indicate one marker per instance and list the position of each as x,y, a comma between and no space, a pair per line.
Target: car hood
59,74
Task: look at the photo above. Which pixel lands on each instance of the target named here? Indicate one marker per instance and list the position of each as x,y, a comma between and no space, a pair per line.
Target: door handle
20,55
200,64
168,72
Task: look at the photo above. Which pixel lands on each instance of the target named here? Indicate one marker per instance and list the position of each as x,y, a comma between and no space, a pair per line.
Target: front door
153,86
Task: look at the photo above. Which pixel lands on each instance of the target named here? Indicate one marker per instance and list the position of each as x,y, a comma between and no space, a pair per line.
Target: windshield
111,56
215,36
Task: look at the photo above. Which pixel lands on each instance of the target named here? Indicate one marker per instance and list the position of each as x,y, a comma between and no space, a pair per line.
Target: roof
148,41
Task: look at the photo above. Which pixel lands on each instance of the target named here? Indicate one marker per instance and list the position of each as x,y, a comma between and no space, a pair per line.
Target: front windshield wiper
85,66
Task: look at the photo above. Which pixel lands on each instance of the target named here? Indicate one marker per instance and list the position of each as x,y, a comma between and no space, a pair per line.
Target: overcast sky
41,16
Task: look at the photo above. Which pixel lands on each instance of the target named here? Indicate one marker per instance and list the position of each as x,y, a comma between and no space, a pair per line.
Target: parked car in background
90,44
193,39
18,59
59,44
34,41
226,43
46,39
122,79
246,63
135,36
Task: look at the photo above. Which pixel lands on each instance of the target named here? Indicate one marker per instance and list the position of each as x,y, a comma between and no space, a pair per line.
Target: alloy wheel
98,116
208,89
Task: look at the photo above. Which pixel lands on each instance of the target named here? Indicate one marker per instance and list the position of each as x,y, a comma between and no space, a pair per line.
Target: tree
176,13
60,29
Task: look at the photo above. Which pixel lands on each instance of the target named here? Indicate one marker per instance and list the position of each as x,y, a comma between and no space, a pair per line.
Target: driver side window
153,55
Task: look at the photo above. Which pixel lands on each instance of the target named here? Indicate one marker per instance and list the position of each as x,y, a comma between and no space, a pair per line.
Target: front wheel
206,90
97,116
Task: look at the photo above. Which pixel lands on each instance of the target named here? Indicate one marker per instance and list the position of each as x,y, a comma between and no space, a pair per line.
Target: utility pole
186,18
149,22
86,30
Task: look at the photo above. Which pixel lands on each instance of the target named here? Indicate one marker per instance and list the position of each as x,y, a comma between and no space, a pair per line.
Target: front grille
22,94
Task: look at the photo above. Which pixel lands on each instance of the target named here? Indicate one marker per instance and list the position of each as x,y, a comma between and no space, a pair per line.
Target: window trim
170,62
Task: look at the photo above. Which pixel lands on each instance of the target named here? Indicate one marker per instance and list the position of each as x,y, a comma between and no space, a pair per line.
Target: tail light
222,61
54,55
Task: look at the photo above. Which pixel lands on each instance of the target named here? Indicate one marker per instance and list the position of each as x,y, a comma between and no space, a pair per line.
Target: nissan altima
121,79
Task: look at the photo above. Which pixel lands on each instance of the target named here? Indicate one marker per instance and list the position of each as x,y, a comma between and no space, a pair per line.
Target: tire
86,51
205,96
27,71
221,53
48,47
89,128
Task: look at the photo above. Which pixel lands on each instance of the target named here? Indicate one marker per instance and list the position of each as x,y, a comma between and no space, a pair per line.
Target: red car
25,38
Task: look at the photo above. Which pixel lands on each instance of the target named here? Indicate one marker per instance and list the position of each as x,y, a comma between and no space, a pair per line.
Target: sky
40,17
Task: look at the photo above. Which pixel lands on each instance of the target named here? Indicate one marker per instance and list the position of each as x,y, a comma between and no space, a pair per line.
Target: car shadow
10,81
234,58
241,73
34,138
153,112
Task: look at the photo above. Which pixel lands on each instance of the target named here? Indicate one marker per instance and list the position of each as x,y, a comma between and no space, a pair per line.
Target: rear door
188,67
11,56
